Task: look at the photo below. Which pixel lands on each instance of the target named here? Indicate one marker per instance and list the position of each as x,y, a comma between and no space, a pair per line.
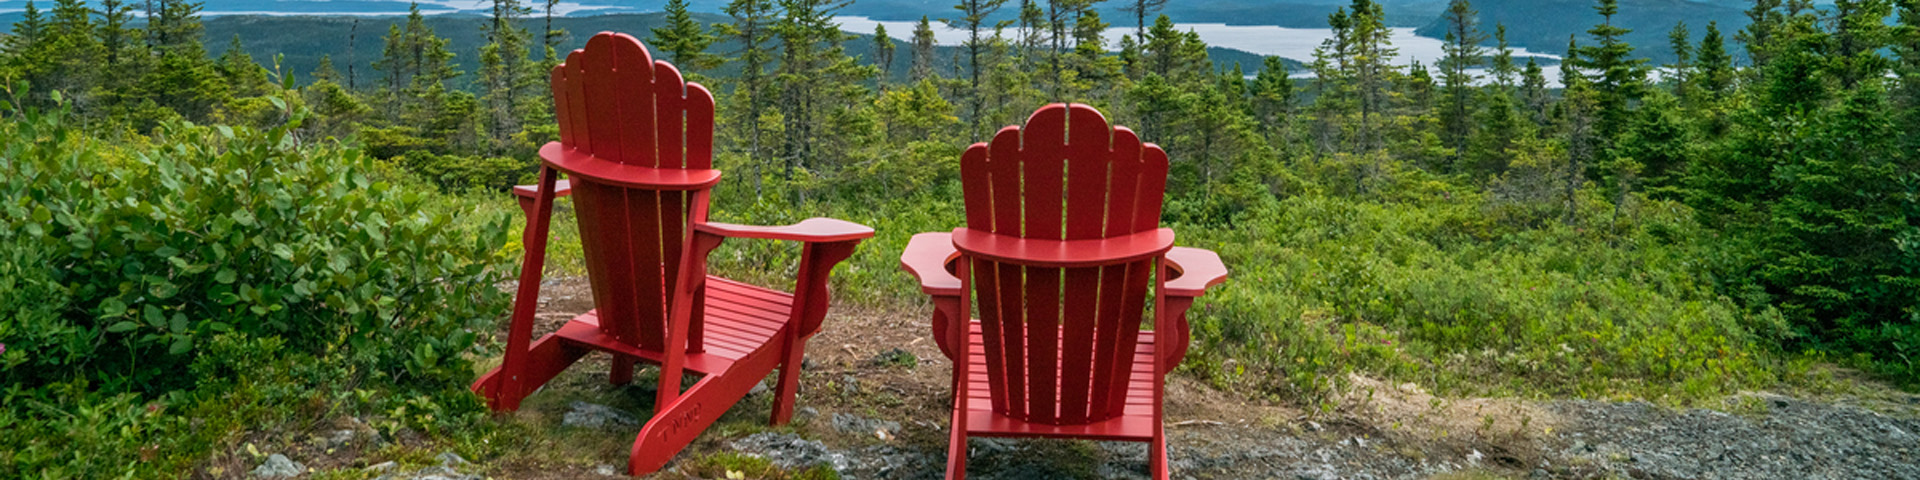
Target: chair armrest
1199,270
1063,253
584,164
561,188
926,257
812,230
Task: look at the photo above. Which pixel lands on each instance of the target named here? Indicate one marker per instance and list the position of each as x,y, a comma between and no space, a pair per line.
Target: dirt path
874,412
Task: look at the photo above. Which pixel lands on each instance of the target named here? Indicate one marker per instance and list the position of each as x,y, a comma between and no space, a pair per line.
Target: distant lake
1290,43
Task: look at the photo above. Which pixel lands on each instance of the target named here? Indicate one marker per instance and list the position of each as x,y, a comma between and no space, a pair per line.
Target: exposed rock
758,388
858,425
450,460
279,466
606,470
589,415
787,450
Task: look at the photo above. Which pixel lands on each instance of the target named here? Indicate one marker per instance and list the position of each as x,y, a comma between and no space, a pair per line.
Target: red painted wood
1061,245
822,230
636,143
1063,253
1198,270
605,170
927,256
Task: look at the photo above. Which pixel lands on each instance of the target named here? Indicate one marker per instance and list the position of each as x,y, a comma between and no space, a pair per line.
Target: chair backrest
614,101
1060,341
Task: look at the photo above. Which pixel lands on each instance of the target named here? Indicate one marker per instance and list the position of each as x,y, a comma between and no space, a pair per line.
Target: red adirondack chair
636,142
1061,245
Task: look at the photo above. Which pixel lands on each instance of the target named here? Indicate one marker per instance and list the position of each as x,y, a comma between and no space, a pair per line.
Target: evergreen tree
1680,72
1860,33
74,52
1763,18
684,40
1273,101
1140,10
1502,66
752,29
1462,53
1619,77
550,39
1372,71
116,35
1713,66
27,54
815,74
922,67
506,74
883,53
1533,92
973,19
1834,257
245,78
175,26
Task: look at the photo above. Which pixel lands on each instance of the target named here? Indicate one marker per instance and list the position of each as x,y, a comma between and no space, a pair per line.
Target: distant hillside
1544,25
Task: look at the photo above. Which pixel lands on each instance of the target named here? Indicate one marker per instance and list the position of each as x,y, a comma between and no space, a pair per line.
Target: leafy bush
135,257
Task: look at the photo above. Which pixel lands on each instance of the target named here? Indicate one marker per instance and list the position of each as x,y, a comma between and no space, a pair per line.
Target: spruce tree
1763,19
1680,72
1461,54
751,29
116,34
1534,94
1273,97
1140,10
883,53
684,40
1713,71
973,19
922,67
1502,66
1372,71
506,74
1619,77
1860,33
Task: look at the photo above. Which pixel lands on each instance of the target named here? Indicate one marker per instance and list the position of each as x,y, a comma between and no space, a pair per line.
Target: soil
872,412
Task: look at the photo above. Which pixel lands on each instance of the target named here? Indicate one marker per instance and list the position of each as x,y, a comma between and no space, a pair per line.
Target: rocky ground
873,406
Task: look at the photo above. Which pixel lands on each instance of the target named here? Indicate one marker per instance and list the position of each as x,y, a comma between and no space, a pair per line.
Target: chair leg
788,383
957,443
1157,456
622,373
957,455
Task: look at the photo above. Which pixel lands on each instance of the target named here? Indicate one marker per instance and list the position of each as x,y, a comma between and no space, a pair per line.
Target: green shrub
136,256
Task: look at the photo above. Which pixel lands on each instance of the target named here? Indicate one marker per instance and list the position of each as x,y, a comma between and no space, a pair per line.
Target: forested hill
1546,25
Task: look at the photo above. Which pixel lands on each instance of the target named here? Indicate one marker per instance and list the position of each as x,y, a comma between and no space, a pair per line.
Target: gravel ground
1790,439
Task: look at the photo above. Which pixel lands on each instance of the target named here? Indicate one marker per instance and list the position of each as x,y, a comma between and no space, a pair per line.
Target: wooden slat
1076,354
634,99
577,101
700,124
670,121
